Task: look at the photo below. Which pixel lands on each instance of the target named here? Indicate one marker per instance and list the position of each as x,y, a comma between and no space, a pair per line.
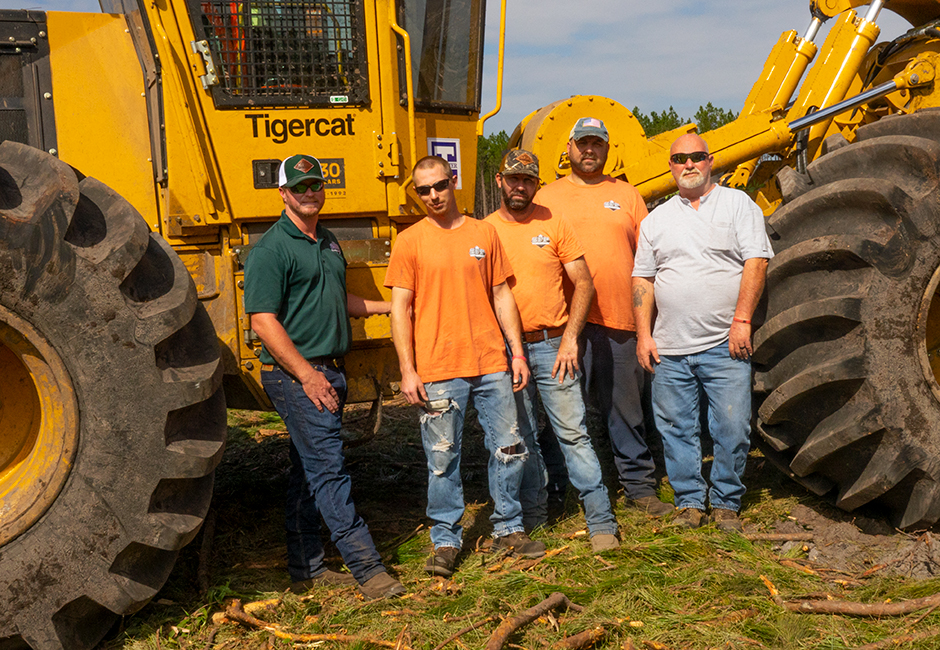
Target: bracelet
519,356
746,321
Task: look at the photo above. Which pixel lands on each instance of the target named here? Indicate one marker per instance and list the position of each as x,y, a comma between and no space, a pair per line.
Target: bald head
691,165
688,143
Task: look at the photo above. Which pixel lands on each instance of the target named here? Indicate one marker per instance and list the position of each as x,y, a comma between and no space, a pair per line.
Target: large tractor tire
112,417
848,357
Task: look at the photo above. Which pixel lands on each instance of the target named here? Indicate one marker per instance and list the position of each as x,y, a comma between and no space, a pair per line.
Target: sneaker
325,578
727,520
520,545
651,505
690,518
604,542
442,561
381,585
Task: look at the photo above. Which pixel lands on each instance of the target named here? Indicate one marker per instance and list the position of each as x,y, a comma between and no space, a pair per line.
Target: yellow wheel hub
38,425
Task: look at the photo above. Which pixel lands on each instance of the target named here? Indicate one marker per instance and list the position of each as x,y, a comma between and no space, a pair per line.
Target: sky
649,54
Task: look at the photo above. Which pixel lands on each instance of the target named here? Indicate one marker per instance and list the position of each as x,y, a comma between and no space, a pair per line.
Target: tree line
490,148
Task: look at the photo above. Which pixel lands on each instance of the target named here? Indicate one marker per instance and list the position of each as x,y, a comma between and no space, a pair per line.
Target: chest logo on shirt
541,241
477,252
335,248
612,205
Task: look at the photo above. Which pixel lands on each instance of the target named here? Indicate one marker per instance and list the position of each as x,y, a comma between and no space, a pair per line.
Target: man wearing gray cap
606,215
542,250
295,294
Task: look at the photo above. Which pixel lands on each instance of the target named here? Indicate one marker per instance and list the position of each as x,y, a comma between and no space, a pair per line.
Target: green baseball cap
297,169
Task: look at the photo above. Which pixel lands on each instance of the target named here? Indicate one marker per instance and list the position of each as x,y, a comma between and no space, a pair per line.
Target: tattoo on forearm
638,294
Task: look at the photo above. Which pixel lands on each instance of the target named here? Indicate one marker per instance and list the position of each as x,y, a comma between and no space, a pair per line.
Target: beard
515,201
691,180
588,165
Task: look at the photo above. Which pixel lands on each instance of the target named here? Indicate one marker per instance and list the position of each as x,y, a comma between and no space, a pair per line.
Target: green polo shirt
303,282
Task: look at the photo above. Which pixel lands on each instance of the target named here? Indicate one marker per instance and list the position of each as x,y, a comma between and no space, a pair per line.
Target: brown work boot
727,520
325,578
604,542
442,561
690,518
381,585
651,505
520,545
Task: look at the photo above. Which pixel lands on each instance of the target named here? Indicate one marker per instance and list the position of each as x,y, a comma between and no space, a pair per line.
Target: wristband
746,321
519,356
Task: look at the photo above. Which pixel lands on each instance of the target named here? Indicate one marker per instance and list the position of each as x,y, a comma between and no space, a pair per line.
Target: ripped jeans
442,436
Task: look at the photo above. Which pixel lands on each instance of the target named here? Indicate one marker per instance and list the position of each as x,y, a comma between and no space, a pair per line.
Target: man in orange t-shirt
606,214
451,307
543,249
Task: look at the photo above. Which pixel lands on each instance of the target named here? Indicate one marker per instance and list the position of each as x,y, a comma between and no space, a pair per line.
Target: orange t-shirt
452,274
606,218
537,248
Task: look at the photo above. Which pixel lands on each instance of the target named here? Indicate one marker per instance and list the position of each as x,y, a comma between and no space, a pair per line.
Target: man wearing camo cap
542,249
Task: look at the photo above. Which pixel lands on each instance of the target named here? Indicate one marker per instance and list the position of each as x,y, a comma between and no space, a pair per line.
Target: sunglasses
300,188
695,156
440,186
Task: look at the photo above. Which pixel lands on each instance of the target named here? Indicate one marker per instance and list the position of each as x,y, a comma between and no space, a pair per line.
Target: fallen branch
799,567
509,626
861,609
235,612
774,592
780,537
469,628
582,640
655,645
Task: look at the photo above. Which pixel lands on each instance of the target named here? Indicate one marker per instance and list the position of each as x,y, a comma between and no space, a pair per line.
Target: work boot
325,578
442,561
727,520
651,505
520,545
381,585
604,542
690,518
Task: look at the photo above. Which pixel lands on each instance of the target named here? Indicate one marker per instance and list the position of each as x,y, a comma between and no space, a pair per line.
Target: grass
676,588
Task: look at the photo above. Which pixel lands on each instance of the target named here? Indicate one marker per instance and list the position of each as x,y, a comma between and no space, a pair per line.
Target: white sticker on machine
449,150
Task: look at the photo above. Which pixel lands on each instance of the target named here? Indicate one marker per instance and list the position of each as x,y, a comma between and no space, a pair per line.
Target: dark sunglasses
695,156
300,188
440,186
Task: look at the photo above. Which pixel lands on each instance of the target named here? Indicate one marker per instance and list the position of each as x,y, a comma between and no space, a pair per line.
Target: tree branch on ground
861,609
582,640
235,612
509,626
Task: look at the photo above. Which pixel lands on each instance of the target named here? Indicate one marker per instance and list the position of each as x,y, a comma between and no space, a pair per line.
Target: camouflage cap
519,161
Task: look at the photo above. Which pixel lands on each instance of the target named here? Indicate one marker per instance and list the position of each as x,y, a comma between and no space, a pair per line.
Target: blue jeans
319,484
613,377
726,384
442,436
564,406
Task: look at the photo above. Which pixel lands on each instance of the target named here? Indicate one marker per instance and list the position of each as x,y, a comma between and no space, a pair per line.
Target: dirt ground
389,484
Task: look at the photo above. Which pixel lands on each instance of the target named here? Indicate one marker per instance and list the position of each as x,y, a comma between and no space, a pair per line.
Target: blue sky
649,54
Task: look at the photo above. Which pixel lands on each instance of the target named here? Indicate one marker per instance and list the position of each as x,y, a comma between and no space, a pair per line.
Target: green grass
682,589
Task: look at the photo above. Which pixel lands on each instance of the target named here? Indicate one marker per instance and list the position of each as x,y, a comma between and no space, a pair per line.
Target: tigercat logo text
280,130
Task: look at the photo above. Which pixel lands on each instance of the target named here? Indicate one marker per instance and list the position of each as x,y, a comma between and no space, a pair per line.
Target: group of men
565,292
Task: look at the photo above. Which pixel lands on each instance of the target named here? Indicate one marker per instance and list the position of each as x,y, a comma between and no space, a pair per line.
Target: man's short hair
431,161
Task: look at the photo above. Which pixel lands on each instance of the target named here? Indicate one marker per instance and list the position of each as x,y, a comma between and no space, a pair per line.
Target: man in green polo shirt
295,293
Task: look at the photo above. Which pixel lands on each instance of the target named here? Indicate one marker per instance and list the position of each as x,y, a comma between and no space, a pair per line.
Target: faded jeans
442,436
564,406
319,483
726,384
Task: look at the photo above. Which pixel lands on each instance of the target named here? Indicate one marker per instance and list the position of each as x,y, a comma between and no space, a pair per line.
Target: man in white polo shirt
701,260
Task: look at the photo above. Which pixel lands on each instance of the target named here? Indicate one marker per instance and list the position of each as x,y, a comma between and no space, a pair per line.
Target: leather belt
541,335
330,362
